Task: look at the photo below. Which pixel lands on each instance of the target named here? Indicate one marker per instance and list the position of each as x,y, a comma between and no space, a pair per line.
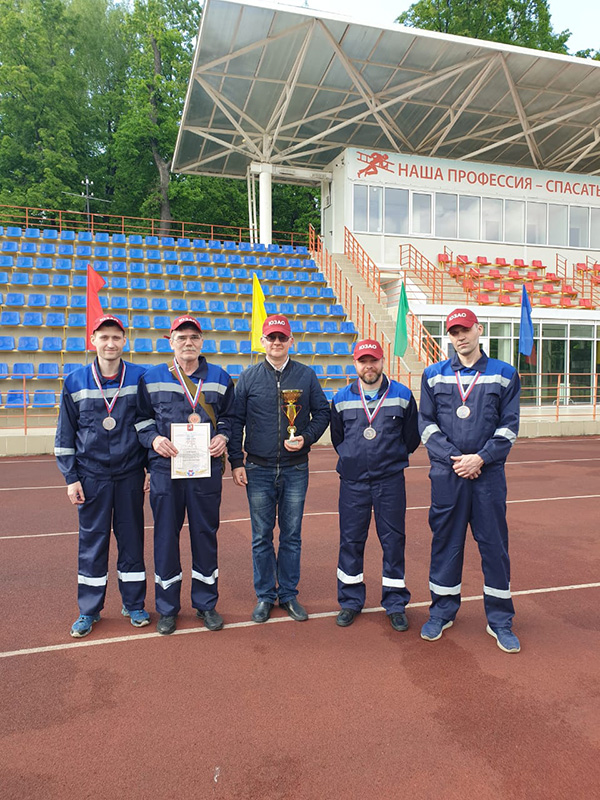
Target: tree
521,22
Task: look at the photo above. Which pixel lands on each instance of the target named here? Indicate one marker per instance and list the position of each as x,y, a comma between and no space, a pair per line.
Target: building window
491,219
360,207
558,228
536,223
396,211
469,217
375,209
514,221
421,213
446,206
595,229
579,227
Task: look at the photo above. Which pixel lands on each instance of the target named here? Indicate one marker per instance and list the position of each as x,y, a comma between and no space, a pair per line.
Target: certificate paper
192,441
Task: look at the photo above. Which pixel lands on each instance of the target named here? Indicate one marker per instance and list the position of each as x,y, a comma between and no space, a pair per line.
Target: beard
371,377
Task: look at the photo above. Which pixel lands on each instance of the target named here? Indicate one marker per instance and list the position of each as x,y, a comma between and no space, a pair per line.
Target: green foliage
521,22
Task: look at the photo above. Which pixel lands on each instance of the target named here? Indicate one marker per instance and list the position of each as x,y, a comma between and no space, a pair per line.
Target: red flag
95,282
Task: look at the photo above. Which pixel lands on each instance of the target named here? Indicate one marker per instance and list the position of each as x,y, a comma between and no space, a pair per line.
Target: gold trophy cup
291,410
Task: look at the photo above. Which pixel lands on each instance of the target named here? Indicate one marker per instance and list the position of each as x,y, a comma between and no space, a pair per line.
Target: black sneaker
166,625
398,621
212,619
346,617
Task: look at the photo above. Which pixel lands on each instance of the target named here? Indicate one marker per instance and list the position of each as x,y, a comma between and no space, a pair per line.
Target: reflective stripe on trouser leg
488,523
355,516
203,501
95,518
167,498
128,524
389,505
449,516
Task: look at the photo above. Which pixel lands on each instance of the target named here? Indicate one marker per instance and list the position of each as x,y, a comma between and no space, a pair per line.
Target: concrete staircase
385,318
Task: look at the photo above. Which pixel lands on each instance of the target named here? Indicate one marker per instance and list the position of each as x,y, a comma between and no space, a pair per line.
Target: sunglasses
277,337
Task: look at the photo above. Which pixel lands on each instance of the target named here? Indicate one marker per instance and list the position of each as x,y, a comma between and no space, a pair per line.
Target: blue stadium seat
157,285
136,253
50,235
15,299
341,349
245,347
81,265
135,239
294,263
10,318
140,321
337,311
64,264
48,371
323,349
142,346
28,344
7,343
214,244
222,324
277,291
67,236
139,303
32,233
28,248
173,270
3,371
161,323
118,282
227,347
245,247
119,238
319,371
250,261
195,287
313,326
69,368
347,327
234,370
267,261
41,279
224,272
9,247
136,267
335,371
205,323
329,394
6,262
22,370
209,346
229,289
184,242
66,250
287,309
207,272
43,398
305,349
246,289
175,286
228,245
47,249
170,256
100,266
273,248
154,268
319,310
152,255
138,284
216,307
211,287
58,301
301,250
281,263
234,307
33,319
163,346
304,309
248,307
119,266
75,344
350,370
84,236
83,251
79,281
43,263
13,232
287,250
119,303
233,259
15,399
311,292
179,305
204,259
151,241
296,326
190,271
241,326
60,280
159,304
55,319
101,236
198,306
118,253
240,274
330,326
270,308
76,320
51,344
294,291
199,244
78,301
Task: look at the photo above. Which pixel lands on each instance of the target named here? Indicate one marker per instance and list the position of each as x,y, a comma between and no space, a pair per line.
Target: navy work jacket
396,427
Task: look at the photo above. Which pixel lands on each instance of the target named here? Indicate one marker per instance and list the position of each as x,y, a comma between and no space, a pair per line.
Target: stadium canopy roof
292,87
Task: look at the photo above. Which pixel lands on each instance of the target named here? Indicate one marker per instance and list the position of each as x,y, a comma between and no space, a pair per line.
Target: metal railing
363,263
428,273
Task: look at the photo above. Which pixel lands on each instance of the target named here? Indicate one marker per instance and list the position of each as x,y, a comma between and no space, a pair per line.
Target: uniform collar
478,366
201,370
275,369
114,378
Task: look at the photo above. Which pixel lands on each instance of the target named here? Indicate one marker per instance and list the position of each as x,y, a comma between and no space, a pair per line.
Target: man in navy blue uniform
469,420
189,391
276,470
374,430
98,453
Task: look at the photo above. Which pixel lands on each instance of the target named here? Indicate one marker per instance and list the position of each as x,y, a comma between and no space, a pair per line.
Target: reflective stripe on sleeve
506,433
444,590
210,579
131,577
429,431
169,582
395,583
503,594
145,423
64,451
349,578
87,581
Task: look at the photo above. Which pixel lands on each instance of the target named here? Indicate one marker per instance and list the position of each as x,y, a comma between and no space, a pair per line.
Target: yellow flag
259,315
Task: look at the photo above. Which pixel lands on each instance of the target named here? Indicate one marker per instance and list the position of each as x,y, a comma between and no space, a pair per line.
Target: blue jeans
276,492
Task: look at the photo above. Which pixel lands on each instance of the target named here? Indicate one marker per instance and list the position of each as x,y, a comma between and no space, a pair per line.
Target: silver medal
369,433
463,412
109,423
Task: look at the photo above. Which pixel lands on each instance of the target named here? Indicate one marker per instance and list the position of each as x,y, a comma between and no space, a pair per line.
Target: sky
581,17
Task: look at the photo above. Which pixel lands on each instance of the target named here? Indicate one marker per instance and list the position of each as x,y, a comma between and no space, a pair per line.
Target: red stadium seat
552,277
489,286
518,262
462,260
537,264
533,276
468,285
509,287
485,300
501,262
514,274
455,272
546,302
569,291
549,288
585,302
474,272
508,300
496,274
444,258
482,261
566,302
581,268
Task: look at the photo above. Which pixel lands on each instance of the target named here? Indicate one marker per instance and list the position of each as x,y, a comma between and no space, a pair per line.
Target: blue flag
526,328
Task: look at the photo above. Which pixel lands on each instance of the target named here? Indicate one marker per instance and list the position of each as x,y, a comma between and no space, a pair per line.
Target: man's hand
467,466
164,447
295,444
239,476
75,493
147,483
218,445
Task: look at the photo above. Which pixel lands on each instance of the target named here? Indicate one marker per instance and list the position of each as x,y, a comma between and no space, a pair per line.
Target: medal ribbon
463,394
371,416
193,401
109,405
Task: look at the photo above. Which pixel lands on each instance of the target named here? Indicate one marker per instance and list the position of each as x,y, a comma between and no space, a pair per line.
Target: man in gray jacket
275,473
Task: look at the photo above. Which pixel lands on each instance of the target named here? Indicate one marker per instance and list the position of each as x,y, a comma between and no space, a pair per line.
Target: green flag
401,341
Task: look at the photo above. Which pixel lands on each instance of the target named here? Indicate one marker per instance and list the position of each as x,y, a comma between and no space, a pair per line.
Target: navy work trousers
481,503
116,504
387,498
170,499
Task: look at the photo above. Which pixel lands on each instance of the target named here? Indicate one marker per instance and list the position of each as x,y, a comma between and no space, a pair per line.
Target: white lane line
275,620
315,514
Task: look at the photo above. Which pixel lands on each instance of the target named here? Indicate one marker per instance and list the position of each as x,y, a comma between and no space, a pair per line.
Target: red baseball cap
461,316
107,318
367,347
177,323
277,323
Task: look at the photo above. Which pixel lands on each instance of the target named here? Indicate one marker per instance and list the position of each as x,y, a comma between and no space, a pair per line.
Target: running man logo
375,162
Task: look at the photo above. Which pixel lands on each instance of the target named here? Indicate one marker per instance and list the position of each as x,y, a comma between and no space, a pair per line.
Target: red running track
308,711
